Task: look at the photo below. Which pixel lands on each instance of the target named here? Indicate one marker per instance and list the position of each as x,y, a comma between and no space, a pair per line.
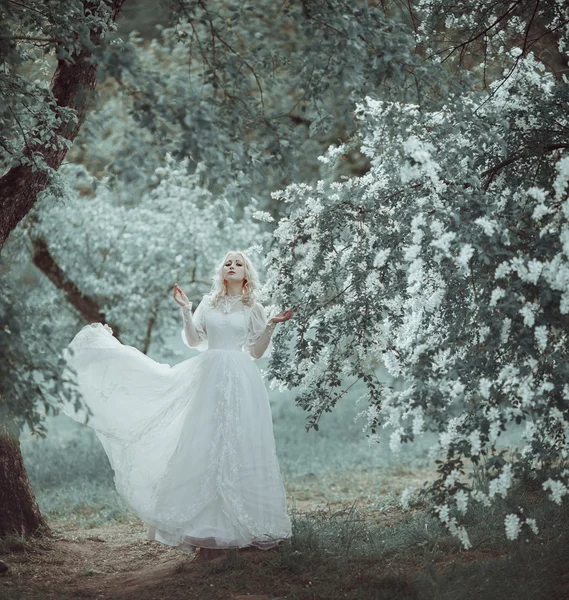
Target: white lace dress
192,446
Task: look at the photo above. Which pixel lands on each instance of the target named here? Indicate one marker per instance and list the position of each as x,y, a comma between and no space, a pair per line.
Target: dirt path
116,561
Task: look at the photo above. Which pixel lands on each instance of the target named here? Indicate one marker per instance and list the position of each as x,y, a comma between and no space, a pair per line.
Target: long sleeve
259,335
194,332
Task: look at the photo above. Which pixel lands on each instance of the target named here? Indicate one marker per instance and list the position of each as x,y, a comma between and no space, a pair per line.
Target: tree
39,124
448,260
247,89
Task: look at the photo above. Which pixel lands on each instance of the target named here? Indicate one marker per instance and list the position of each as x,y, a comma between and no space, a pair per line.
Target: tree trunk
19,511
90,310
72,87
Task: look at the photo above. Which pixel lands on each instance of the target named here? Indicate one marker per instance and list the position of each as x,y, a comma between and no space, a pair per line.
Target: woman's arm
263,342
192,334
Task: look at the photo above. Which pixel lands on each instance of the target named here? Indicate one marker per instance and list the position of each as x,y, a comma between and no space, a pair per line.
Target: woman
192,446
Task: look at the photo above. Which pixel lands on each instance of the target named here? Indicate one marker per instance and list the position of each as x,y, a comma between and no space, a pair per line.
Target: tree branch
88,308
493,171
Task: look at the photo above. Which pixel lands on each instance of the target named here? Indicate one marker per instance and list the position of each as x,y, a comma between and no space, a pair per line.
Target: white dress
192,446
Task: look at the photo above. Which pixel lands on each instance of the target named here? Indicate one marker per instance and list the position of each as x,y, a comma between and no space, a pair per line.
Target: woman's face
234,268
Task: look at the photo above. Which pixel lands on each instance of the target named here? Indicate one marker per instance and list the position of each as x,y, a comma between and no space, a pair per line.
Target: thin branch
478,35
25,139
21,38
149,327
493,171
529,26
25,6
228,46
212,69
88,308
6,148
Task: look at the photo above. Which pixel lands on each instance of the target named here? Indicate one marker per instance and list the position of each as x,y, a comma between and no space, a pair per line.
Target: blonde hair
250,281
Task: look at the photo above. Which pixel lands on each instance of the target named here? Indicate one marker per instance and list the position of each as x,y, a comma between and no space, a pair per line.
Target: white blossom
443,243
562,179
261,215
497,294
450,522
481,497
531,523
406,497
461,498
484,386
452,478
513,526
501,484
443,512
466,253
475,442
558,490
381,257
502,270
528,314
487,225
462,535
541,334
418,420
505,334
332,153
540,211
395,440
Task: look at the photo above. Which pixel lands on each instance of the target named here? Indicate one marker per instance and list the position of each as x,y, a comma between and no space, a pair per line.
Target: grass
344,554
341,555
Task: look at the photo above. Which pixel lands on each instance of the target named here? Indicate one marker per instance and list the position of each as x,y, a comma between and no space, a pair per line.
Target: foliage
448,261
34,37
32,376
253,90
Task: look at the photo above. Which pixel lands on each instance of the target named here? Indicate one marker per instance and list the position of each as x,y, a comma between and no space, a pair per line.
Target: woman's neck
234,288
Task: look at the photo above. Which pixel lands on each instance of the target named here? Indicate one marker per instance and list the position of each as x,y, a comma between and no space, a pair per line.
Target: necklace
228,302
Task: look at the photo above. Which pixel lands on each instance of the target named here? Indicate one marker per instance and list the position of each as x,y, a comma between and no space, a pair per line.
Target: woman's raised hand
284,316
179,296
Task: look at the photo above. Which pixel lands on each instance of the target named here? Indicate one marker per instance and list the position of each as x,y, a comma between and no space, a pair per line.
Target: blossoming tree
448,263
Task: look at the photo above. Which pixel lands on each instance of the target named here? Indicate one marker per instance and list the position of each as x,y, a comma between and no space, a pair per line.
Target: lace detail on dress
226,463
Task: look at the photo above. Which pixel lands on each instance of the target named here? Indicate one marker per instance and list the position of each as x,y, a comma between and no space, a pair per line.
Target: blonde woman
192,446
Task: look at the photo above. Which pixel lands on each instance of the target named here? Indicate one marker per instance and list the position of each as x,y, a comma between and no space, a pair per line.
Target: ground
351,541
116,561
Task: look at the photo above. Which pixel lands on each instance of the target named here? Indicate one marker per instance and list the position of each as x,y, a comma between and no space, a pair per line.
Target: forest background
399,173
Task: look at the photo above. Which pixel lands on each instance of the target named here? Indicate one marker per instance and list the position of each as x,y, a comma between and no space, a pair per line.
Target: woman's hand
179,296
284,316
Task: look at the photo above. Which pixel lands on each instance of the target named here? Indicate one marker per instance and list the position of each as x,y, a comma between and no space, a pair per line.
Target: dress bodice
237,330
225,331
